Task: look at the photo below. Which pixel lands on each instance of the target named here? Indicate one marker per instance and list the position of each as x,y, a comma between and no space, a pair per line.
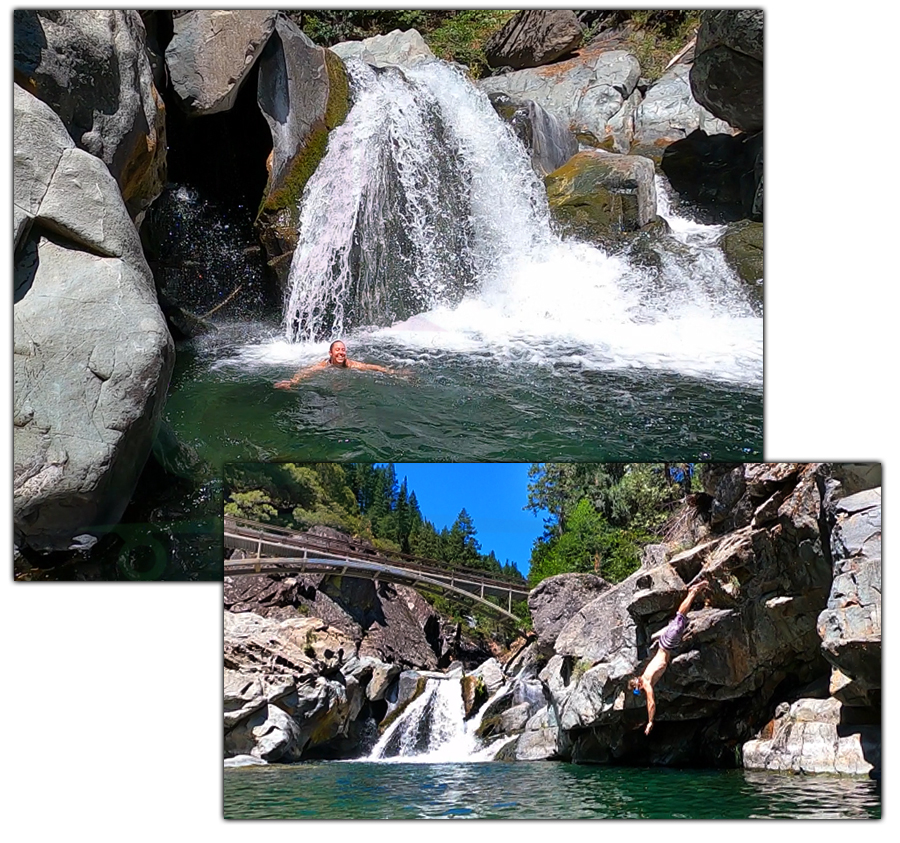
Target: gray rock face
548,141
769,582
211,53
291,686
91,67
534,37
727,74
669,112
850,627
92,355
389,623
555,600
810,737
404,49
584,93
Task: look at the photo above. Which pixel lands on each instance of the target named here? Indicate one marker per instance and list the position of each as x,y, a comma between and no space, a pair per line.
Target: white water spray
425,229
433,729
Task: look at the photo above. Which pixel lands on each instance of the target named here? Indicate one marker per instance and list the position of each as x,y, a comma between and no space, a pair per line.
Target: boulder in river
548,140
599,196
92,355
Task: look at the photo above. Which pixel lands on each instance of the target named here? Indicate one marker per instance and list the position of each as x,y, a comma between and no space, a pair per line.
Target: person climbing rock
337,356
669,641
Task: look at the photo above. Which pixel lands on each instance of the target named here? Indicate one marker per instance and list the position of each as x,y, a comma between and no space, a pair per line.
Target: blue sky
493,494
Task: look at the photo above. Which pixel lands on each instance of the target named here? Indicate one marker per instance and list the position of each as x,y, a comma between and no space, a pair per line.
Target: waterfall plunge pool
425,243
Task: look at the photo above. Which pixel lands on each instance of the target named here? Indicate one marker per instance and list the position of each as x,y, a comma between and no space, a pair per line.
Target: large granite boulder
303,93
91,67
553,602
669,112
404,49
813,736
92,355
549,141
598,196
585,92
211,54
727,74
850,627
534,37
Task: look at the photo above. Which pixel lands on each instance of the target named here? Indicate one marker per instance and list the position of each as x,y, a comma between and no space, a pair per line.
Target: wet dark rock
727,74
534,37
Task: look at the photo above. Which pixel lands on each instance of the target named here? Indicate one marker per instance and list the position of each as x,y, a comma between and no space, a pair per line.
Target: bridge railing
291,540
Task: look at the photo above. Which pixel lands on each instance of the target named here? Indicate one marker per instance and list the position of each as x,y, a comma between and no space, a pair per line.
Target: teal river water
546,790
471,407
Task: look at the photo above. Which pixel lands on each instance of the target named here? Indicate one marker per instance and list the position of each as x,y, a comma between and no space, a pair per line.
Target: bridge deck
277,550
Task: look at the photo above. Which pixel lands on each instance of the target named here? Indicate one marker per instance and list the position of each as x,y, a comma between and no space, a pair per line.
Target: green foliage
462,35
601,515
658,35
330,26
255,504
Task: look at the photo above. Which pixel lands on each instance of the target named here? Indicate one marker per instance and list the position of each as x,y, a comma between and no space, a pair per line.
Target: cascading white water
419,199
433,729
425,218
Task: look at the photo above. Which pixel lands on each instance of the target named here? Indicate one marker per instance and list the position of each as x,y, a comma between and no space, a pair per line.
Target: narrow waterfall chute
433,728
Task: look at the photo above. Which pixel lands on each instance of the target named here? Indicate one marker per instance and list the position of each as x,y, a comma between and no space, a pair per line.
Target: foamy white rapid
433,729
424,228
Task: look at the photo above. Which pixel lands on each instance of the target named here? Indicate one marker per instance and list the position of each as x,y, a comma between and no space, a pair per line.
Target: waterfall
424,195
433,729
425,230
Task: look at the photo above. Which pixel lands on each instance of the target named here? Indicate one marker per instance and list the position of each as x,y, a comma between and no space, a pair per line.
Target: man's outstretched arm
685,606
651,706
300,375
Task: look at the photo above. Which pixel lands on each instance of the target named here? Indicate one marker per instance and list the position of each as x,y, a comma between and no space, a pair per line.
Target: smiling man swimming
337,356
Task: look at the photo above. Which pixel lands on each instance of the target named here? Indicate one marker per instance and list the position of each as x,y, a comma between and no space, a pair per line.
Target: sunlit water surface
545,790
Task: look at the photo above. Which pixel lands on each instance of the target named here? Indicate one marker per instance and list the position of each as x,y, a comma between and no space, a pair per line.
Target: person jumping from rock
337,356
668,642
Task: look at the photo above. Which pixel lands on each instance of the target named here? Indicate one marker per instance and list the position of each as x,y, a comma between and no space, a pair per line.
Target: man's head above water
337,354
